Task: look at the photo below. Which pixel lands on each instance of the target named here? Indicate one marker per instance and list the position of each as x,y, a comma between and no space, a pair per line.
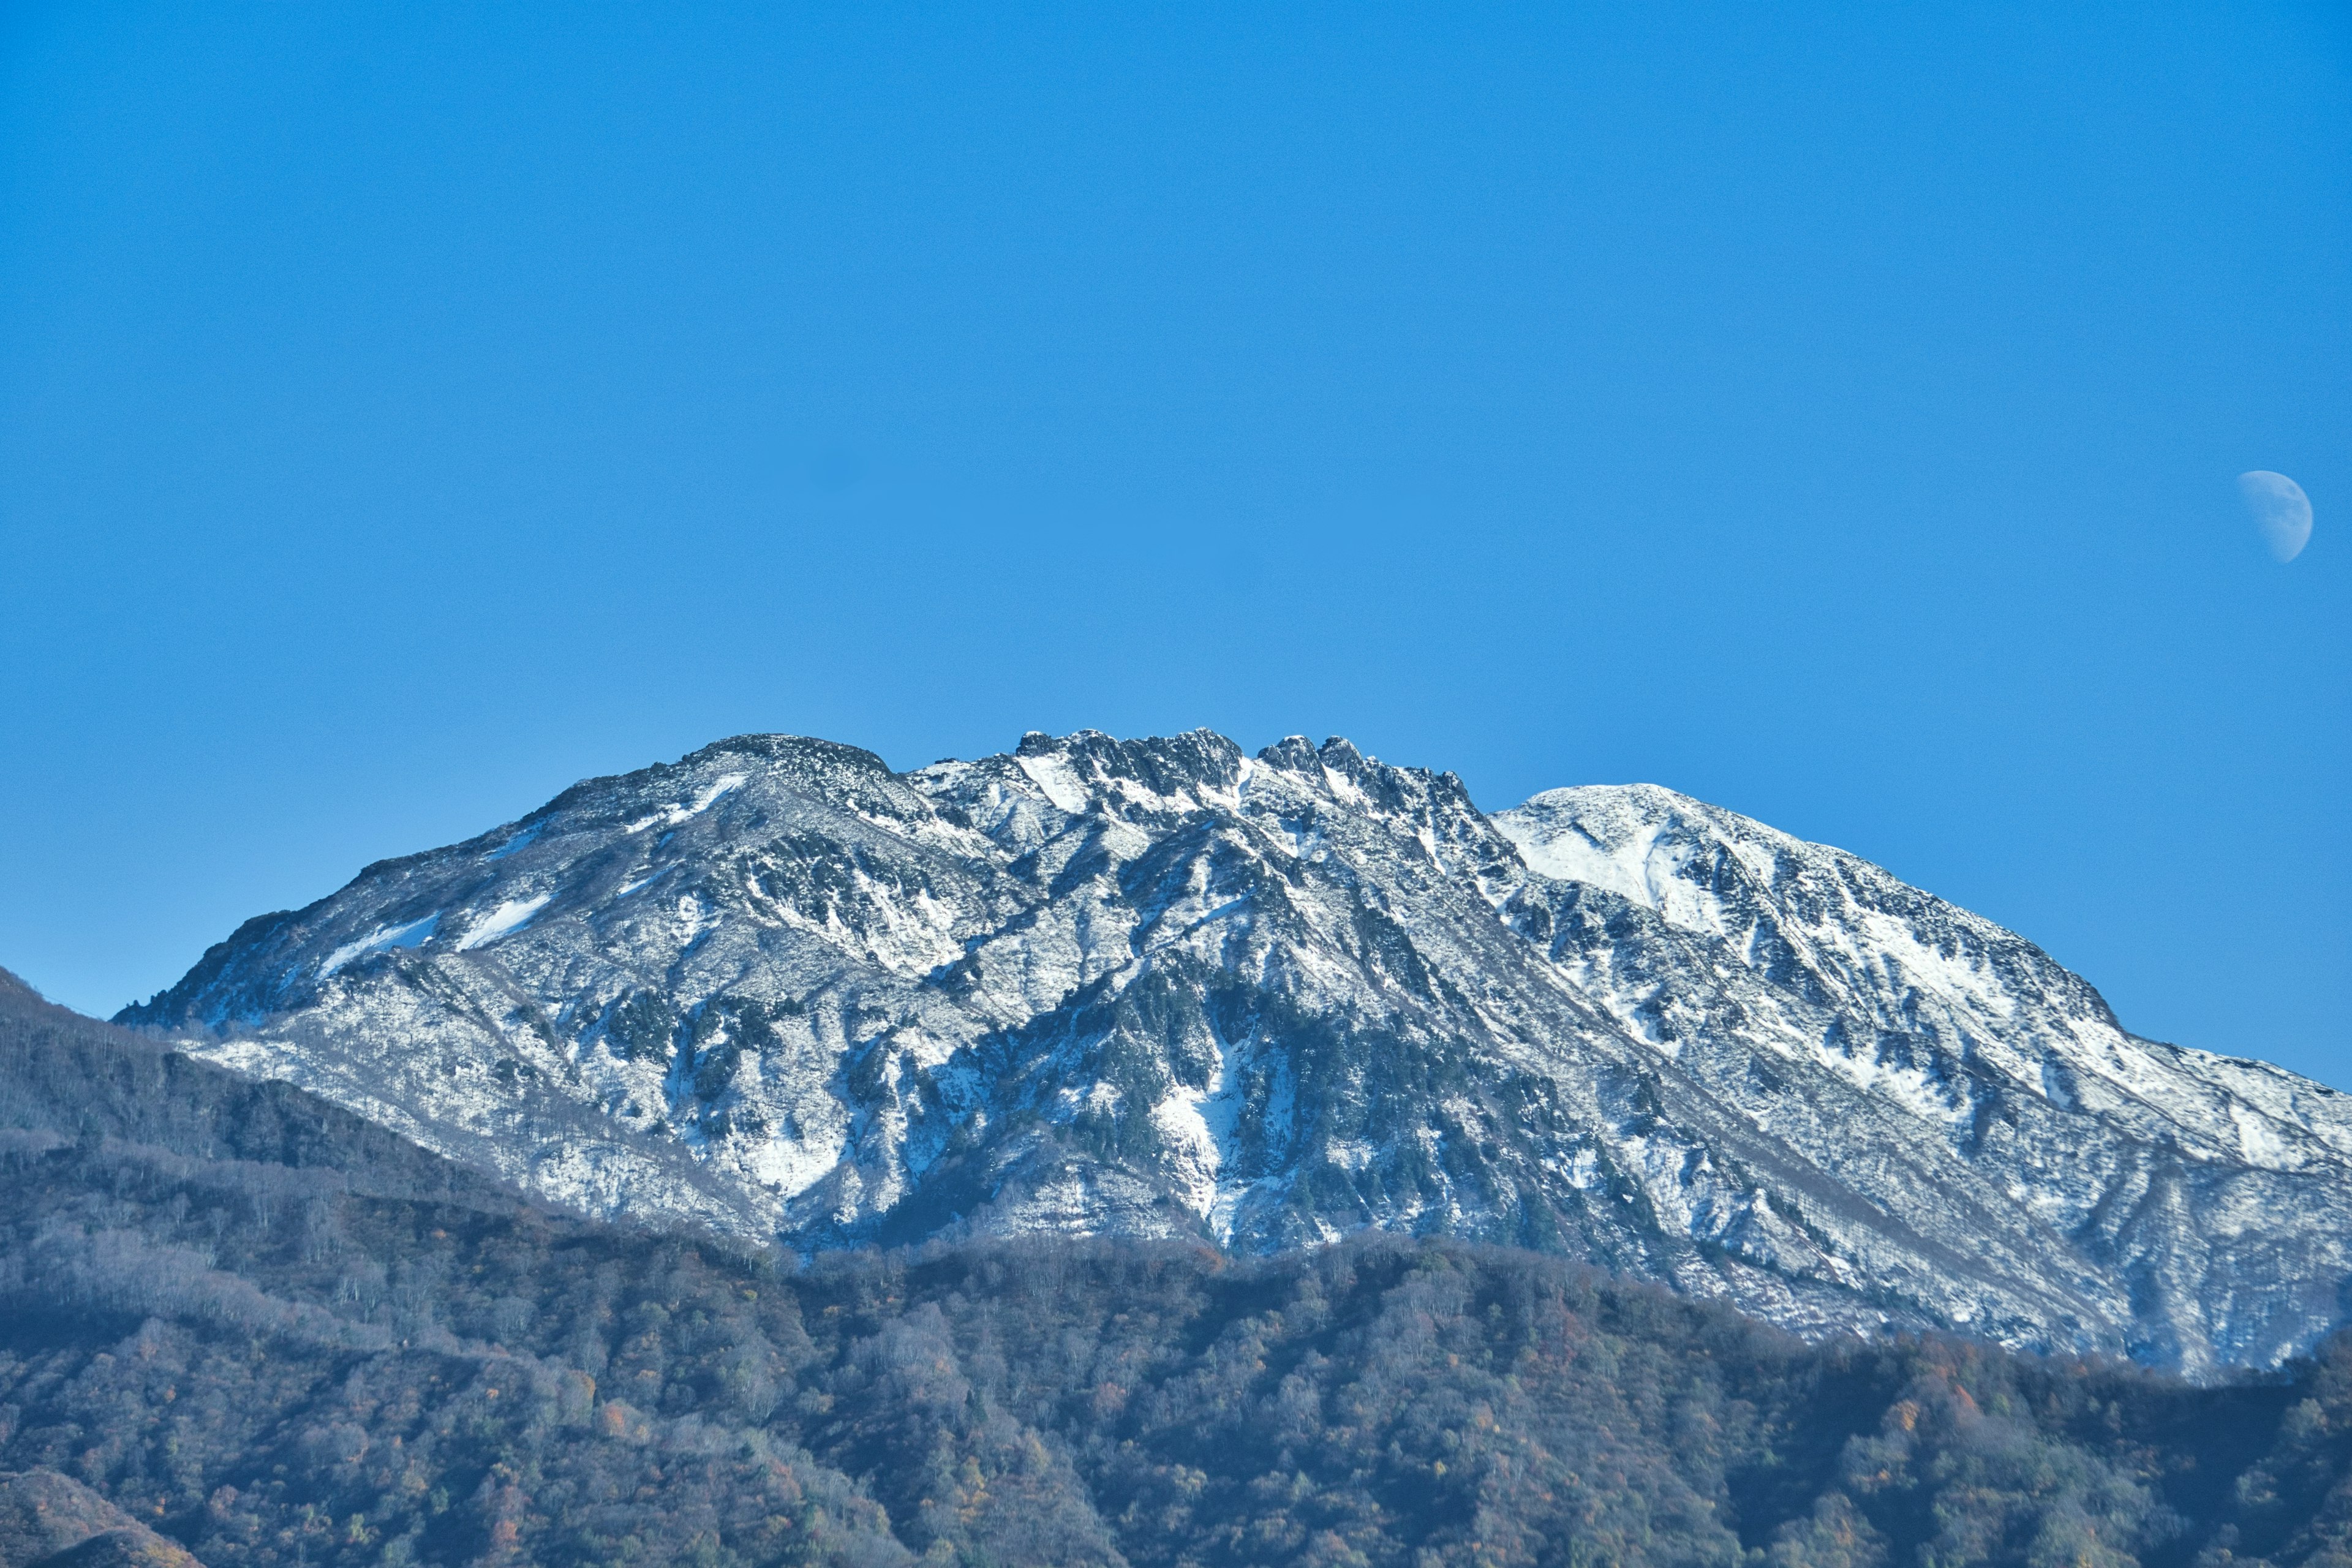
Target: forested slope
70,1076
1165,988
355,1379
273,1359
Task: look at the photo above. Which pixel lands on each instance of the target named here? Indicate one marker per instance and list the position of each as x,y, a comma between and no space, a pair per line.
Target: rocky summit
1163,987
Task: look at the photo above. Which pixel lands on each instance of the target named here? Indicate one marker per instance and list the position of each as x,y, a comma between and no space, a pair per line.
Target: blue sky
1829,412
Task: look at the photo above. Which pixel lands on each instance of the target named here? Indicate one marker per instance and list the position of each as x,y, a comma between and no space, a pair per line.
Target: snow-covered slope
1162,987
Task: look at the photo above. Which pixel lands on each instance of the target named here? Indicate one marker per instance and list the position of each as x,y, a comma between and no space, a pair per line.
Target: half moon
2279,510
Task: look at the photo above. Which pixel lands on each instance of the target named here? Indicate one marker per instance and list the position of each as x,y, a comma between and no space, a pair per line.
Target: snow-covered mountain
1164,987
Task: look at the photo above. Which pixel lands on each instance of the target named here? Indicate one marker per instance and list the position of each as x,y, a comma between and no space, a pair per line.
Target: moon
2279,510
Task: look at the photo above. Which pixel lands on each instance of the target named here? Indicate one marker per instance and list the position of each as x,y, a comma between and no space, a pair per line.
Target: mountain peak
1160,986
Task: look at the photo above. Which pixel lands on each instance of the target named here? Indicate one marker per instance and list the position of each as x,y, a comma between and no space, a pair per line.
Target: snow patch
1052,775
510,916
2256,1137
521,840
1950,976
792,1166
1643,866
384,939
1193,1157
1342,787
709,798
673,815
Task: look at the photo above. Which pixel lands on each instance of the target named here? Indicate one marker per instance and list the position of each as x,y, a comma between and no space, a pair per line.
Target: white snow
1195,1158
1952,977
415,933
1053,777
1124,841
2256,1136
1645,865
673,815
709,798
1341,786
519,841
510,916
793,1165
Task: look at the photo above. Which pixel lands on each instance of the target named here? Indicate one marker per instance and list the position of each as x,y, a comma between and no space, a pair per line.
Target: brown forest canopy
277,1336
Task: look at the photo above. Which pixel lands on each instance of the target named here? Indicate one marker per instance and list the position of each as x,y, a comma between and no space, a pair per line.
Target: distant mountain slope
49,1521
74,1079
1160,987
271,1368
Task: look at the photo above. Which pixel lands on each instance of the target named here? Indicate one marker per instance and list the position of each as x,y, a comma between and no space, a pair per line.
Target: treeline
298,1363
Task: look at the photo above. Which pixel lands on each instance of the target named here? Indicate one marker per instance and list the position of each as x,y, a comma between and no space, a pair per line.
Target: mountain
1163,988
69,1079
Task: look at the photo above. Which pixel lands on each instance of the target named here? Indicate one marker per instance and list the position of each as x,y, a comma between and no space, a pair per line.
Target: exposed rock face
1163,987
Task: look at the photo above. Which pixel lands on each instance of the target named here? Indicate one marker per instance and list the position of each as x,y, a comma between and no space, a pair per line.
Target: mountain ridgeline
1165,989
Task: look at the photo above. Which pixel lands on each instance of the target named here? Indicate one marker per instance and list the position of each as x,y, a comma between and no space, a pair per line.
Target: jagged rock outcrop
1165,987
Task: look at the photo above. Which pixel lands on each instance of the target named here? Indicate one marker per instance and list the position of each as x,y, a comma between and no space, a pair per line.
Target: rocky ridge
1164,987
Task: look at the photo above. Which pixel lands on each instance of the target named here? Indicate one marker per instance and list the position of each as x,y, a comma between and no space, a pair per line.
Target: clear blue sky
1832,412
